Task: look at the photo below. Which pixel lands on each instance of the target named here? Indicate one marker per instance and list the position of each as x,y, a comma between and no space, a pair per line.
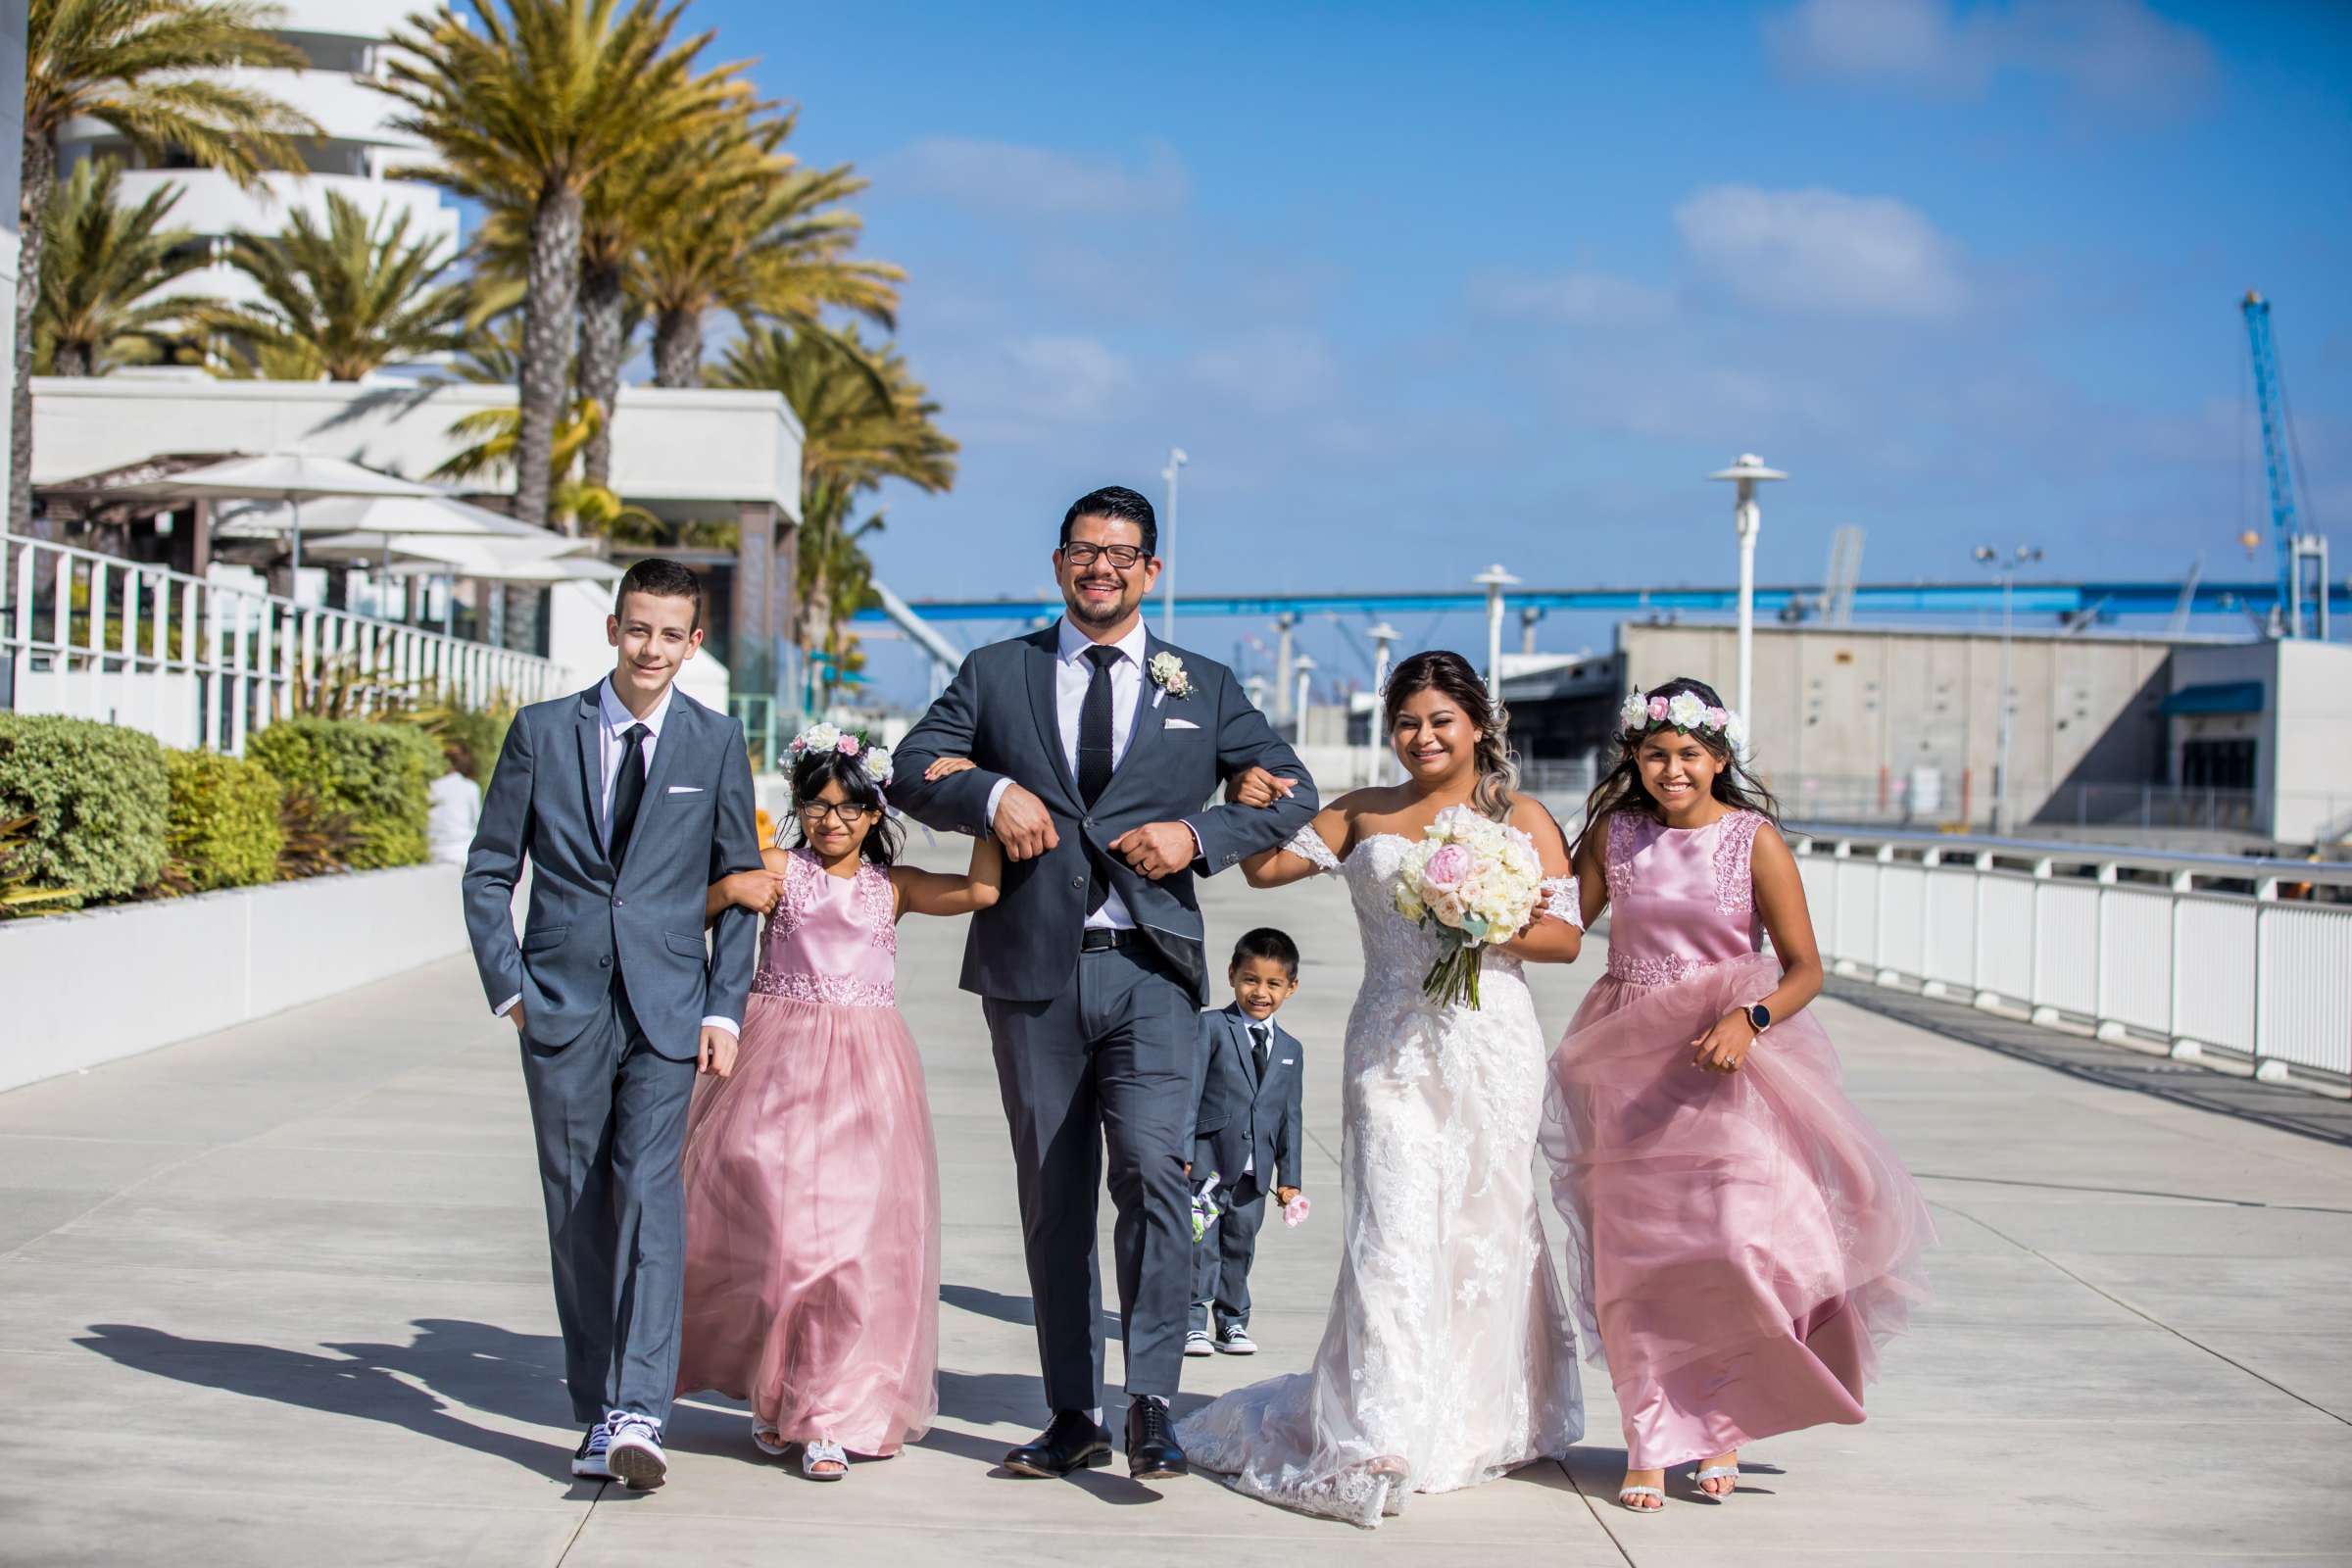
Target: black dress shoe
1152,1451
1072,1442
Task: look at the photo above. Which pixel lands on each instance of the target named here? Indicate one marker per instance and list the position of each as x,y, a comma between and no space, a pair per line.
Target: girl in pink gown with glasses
811,1178
1740,1239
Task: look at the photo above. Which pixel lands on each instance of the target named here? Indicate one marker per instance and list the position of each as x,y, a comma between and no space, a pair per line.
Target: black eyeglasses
849,813
1079,553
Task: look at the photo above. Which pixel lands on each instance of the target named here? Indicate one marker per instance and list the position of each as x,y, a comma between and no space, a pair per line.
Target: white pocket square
685,788
1182,723
1287,1061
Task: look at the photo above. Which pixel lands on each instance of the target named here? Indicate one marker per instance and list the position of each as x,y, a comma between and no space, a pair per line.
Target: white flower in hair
1686,712
817,737
1735,732
878,765
1634,714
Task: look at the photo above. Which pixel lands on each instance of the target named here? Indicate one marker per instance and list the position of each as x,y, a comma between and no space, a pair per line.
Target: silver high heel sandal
1625,1494
1717,1472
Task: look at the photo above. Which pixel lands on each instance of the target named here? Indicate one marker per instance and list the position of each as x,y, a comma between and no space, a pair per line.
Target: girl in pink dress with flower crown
1740,1239
811,1179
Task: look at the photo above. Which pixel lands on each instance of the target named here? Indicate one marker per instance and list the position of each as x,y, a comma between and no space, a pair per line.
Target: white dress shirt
611,744
1074,672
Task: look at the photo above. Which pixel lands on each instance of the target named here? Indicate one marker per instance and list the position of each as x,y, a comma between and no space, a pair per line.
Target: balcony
210,204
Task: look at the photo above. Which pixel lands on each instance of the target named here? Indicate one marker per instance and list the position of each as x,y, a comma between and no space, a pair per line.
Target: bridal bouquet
1469,881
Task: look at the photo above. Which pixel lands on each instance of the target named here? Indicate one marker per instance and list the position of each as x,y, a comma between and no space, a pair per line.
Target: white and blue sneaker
588,1459
633,1453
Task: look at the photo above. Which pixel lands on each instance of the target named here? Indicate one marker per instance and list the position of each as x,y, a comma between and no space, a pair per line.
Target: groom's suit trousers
610,1116
1119,1045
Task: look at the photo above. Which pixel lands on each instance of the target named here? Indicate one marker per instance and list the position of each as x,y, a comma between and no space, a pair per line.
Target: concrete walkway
280,1295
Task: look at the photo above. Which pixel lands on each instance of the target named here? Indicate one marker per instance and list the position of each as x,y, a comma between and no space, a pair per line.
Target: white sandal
1717,1472
769,1441
1625,1493
824,1451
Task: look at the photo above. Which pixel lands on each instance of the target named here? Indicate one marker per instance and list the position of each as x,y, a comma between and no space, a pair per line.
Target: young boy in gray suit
1246,1133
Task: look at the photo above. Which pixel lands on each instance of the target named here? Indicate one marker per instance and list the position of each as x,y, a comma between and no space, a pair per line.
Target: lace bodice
831,939
1679,899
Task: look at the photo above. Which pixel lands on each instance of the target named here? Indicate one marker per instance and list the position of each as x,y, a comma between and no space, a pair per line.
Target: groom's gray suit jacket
999,711
696,823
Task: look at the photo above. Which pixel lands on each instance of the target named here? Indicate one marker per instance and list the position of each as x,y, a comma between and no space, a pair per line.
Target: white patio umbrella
380,515
497,561
293,478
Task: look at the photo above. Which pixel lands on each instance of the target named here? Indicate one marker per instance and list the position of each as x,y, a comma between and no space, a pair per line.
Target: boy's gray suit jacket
999,710
696,823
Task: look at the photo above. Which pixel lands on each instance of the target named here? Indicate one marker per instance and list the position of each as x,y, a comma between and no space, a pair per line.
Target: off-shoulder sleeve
1562,900
1309,845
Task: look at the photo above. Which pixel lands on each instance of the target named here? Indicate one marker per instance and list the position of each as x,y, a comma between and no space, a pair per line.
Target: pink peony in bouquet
1470,881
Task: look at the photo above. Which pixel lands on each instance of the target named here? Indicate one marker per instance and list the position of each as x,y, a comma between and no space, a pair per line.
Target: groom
629,799
1096,746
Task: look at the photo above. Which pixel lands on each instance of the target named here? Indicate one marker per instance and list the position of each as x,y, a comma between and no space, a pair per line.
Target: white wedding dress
1448,1358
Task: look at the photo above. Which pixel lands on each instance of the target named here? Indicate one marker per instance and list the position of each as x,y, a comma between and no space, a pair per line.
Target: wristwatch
1759,1017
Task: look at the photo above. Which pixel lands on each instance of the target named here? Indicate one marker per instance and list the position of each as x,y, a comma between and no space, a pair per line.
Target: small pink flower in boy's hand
1294,1211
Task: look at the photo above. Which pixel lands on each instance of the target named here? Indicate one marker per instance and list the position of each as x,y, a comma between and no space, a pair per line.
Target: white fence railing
198,663
2202,952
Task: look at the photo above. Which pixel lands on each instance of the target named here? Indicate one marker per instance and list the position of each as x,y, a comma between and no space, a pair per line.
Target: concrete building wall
12,20
1853,716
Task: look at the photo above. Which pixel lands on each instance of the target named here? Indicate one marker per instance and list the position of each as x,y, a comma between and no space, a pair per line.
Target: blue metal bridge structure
2067,602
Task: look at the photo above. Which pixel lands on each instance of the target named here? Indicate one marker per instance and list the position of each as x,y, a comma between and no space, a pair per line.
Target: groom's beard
1107,613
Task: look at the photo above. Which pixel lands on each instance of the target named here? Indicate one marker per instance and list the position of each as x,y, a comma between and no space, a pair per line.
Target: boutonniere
1167,673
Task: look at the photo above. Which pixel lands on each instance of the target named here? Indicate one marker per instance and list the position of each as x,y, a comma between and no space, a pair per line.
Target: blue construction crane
2294,611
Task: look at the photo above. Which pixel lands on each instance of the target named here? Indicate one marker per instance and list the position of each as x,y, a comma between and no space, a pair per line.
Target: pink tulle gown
812,1187
1738,1245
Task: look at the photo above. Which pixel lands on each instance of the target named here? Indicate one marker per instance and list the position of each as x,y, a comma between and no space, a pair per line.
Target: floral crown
1643,712
821,737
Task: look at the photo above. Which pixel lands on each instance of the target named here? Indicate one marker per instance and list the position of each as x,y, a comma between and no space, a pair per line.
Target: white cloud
1823,251
1577,298
2117,51
1007,178
1078,380
1280,370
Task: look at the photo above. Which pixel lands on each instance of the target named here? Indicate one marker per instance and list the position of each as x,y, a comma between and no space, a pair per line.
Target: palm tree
528,109
575,505
98,302
147,68
349,298
771,247
864,420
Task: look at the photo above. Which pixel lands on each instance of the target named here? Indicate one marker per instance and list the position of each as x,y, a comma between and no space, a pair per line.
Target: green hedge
376,773
225,830
482,731
101,801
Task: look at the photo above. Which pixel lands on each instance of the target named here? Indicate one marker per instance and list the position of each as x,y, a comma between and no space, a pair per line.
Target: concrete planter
80,989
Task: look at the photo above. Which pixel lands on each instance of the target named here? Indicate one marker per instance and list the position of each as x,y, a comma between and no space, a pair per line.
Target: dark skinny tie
628,791
1265,1048
1094,756
1094,727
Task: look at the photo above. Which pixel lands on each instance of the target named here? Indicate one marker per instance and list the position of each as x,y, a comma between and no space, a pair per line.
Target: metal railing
2248,958
199,663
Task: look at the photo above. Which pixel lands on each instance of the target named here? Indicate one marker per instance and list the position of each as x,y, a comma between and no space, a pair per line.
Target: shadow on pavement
471,1364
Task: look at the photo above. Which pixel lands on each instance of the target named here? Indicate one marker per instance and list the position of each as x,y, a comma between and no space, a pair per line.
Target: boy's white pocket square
1182,723
685,788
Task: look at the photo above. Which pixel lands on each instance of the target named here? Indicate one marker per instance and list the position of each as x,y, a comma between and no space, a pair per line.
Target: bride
1448,1357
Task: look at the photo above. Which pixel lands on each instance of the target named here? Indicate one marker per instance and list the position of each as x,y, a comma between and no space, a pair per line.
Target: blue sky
1421,291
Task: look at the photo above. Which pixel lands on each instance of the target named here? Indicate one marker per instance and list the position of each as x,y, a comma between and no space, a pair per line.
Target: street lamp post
1285,625
1494,580
2006,565
1305,666
1177,458
1747,519
1384,637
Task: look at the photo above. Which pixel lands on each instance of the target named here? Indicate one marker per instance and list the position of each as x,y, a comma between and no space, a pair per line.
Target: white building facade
344,43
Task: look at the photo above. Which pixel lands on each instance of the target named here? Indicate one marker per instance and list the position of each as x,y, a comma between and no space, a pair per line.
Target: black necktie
1265,1047
628,791
1094,727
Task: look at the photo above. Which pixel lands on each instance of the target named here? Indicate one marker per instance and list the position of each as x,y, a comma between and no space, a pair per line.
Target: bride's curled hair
1446,671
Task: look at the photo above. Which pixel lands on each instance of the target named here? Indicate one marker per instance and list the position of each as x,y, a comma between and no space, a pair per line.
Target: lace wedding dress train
1448,1358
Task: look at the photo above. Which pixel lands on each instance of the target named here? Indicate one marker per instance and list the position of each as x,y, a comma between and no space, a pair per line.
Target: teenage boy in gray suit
1248,1133
1094,745
629,800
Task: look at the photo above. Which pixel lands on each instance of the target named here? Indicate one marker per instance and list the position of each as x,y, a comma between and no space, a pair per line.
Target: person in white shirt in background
453,806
